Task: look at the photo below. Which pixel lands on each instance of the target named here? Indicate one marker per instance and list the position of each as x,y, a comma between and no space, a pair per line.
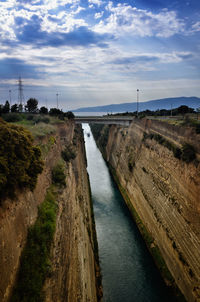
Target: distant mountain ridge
166,103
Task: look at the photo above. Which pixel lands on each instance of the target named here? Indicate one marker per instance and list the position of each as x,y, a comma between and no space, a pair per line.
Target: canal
128,271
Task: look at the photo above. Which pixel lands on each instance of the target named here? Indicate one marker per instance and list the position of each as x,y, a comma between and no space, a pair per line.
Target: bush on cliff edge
20,160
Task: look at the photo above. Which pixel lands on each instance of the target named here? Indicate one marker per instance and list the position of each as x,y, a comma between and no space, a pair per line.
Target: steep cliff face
74,273
75,266
164,191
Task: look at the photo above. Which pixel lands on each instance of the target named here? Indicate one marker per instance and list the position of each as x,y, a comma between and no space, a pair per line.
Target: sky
96,52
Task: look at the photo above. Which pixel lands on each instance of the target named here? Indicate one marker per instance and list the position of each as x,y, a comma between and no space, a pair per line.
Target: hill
166,103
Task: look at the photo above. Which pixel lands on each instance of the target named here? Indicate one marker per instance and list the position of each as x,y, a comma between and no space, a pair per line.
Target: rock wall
75,266
74,275
164,191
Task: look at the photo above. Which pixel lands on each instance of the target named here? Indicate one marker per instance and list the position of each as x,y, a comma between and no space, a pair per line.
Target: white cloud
66,19
139,22
65,22
97,2
196,27
98,15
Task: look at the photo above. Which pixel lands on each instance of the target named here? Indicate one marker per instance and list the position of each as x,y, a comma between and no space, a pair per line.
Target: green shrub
12,117
58,175
177,152
29,117
188,153
68,153
20,160
35,260
197,128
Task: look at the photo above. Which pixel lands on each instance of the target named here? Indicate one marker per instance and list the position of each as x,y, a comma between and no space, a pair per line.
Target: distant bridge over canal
108,120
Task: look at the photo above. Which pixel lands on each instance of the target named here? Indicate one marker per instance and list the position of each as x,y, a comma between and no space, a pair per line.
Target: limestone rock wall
74,264
73,254
164,191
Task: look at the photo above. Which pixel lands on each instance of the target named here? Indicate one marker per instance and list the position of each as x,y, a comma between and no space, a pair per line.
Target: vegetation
12,118
68,153
39,130
186,153
43,110
36,124
58,175
35,264
69,115
20,160
55,112
35,260
14,108
188,122
46,147
182,110
31,105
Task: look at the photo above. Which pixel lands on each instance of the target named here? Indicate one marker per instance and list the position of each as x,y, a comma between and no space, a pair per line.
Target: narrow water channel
128,271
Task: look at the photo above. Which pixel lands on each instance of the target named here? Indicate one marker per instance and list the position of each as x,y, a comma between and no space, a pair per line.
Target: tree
43,110
55,112
185,109
69,115
20,160
1,109
6,107
198,111
15,108
31,105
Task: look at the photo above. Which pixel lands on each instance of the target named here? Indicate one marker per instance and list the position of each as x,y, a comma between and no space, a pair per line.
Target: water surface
128,271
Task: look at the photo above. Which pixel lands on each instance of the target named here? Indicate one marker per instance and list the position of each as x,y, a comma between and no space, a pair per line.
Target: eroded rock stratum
163,190
74,273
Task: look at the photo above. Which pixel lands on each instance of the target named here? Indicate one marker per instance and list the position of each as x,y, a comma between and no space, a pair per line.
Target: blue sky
96,52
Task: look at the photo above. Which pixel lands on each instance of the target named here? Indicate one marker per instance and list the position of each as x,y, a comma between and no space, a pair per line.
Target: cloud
98,15
30,32
96,2
12,68
135,59
195,27
125,19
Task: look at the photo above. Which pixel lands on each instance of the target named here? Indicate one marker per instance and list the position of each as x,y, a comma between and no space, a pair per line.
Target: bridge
108,120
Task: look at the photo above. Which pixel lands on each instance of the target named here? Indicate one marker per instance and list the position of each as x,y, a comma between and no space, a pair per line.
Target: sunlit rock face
164,190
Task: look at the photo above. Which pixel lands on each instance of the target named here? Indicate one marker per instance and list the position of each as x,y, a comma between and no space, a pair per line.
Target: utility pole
10,98
171,110
20,95
57,94
137,101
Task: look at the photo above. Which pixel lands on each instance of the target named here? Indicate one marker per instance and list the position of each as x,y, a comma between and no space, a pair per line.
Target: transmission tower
10,98
137,101
57,94
20,95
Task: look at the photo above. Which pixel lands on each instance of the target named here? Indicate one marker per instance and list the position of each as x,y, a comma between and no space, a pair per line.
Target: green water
128,271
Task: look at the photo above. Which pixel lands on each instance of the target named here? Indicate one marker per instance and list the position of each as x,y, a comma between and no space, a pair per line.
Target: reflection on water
128,272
